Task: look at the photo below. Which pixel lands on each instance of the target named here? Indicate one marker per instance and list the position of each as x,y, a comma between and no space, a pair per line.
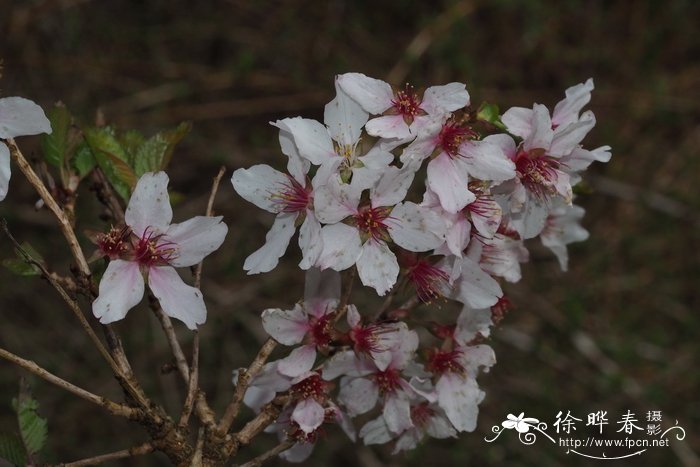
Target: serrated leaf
20,266
12,449
83,161
150,155
55,145
112,159
131,140
173,137
33,428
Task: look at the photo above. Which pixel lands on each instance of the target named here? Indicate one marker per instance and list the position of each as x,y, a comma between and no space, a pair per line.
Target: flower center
407,104
292,196
321,330
420,414
443,361
313,387
388,381
452,135
154,250
371,222
537,171
114,243
428,280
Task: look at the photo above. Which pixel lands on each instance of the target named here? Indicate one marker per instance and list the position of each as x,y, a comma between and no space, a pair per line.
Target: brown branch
112,407
258,461
145,448
192,385
63,221
244,378
267,415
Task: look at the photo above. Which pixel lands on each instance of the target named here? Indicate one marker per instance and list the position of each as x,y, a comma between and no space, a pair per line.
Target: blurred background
619,331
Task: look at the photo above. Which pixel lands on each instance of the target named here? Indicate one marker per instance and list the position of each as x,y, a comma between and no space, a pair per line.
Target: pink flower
18,117
405,113
156,247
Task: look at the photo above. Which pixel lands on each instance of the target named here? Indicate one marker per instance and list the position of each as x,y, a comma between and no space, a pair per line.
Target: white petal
335,201
288,327
408,440
388,126
566,139
475,287
4,170
321,286
445,98
472,322
518,120
310,137
392,186
373,95
277,239
347,363
459,398
196,238
149,205
298,453
449,180
21,117
397,413
358,395
439,427
309,415
477,356
121,288
178,300
416,228
567,110
377,266
487,161
341,247
310,241
375,432
260,185
344,118
542,133
298,362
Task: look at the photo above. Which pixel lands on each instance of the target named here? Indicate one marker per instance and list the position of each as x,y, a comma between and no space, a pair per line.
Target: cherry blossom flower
18,117
405,113
561,228
155,248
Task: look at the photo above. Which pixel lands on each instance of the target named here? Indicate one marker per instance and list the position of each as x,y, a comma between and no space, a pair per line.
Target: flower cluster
417,188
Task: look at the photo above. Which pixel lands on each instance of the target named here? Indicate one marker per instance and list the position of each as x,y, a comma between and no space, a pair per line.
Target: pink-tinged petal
377,266
341,247
260,185
439,427
486,216
408,440
178,300
475,287
405,351
449,180
542,133
288,327
487,161
298,453
416,228
310,241
567,110
376,432
196,238
358,395
121,288
392,186
563,228
579,159
421,148
445,98
518,120
256,397
21,117
308,414
530,222
149,206
477,356
458,235
297,166
298,362
277,239
388,126
567,138
472,322
505,142
335,201
310,137
344,118
373,95
345,422
346,363
353,316
459,398
4,170
397,413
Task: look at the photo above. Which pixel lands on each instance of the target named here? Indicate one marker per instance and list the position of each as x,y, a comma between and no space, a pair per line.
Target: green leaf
150,155
131,140
32,428
490,113
173,137
112,159
83,161
56,145
12,449
20,266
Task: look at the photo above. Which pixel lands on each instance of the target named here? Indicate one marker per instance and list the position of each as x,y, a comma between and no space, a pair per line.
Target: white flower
156,247
18,117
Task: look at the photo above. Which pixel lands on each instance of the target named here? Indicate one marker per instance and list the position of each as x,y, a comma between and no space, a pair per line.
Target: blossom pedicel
492,183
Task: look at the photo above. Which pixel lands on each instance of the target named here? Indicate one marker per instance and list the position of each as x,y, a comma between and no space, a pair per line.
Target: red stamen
452,135
537,172
154,250
407,104
114,243
443,361
388,381
292,196
429,280
371,222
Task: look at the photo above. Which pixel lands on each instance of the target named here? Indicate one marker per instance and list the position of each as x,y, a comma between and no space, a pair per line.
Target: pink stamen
372,222
293,197
388,381
537,172
443,361
429,280
154,250
407,104
451,137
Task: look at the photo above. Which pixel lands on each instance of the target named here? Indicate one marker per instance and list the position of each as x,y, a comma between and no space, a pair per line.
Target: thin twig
345,298
145,448
63,221
113,407
106,195
209,212
267,415
192,385
245,376
258,461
